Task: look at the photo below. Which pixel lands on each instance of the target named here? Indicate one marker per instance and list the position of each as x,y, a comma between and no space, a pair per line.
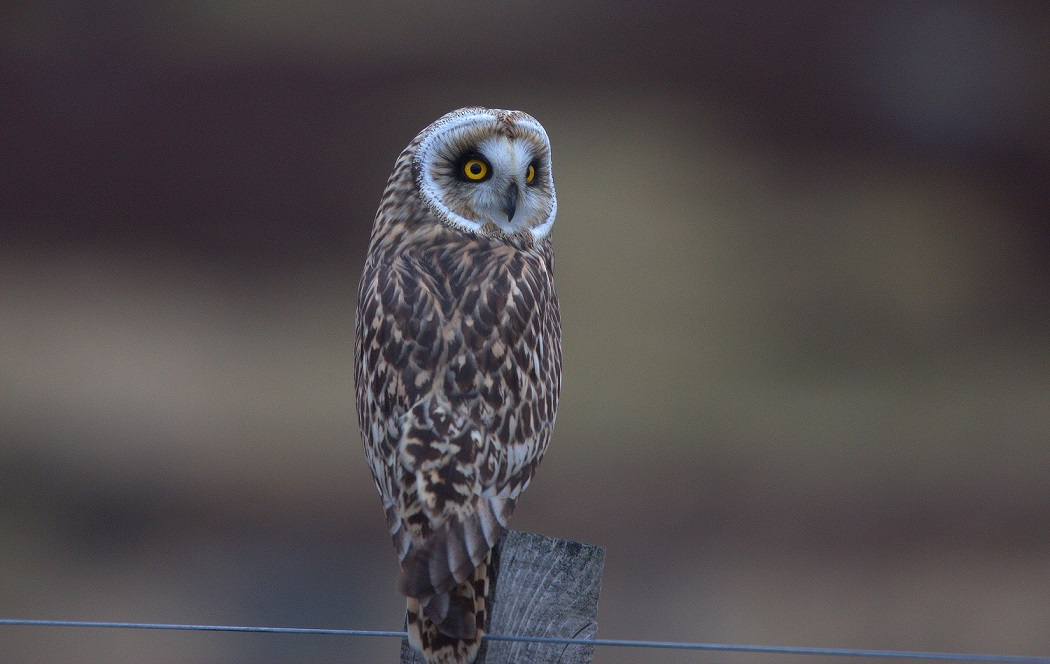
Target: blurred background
802,260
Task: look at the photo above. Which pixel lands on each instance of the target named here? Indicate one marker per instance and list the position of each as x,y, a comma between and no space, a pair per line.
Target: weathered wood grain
542,586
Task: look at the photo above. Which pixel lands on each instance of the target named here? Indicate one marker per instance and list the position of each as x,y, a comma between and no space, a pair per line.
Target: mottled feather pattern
458,370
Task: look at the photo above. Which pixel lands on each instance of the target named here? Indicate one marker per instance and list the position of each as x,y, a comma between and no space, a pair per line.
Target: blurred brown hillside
803,266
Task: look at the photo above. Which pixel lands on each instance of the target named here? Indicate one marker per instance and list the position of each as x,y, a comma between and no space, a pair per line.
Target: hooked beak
511,204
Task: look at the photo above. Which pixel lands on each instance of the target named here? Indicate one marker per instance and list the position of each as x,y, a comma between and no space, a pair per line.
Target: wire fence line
614,643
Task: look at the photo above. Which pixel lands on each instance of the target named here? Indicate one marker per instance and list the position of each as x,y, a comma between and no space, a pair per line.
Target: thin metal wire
617,643
200,628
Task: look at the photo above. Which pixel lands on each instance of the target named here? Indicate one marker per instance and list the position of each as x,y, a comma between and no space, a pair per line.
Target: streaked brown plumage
458,358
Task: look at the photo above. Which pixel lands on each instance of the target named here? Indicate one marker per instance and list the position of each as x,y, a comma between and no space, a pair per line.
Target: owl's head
487,171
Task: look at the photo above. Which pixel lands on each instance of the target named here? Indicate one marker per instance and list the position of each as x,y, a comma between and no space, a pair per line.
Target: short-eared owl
458,358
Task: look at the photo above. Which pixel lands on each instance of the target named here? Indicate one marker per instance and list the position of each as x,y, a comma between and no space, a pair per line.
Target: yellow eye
475,169
530,174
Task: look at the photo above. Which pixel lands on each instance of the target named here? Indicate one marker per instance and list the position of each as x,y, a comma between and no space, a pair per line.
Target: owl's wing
464,359
459,512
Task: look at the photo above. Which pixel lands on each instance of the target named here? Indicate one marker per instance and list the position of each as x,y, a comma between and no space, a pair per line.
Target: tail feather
450,554
447,627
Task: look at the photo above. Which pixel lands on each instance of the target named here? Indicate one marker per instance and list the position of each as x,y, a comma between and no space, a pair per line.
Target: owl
458,358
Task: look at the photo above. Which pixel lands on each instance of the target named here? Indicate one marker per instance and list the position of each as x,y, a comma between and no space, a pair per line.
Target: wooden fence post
542,586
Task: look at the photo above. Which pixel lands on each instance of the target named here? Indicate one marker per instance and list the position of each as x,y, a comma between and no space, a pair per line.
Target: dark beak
512,201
